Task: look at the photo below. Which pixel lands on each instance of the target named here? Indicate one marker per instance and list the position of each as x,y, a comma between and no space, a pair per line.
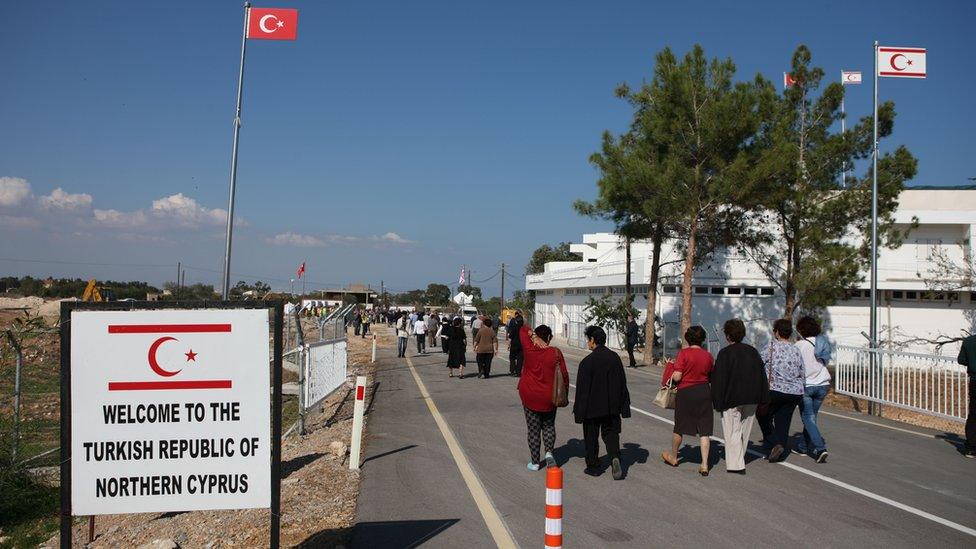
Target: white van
468,313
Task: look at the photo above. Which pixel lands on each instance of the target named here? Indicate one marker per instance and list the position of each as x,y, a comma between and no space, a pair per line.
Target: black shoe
618,473
738,471
776,453
970,454
821,457
593,471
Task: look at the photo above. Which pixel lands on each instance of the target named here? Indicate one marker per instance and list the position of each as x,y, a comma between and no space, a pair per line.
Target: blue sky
392,141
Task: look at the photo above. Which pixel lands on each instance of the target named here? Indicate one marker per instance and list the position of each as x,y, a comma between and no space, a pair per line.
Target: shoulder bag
667,396
560,398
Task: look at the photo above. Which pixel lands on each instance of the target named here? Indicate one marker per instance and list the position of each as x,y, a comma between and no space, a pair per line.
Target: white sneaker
550,461
533,466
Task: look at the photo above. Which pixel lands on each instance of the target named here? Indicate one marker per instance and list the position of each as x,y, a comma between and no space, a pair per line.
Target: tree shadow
294,464
395,534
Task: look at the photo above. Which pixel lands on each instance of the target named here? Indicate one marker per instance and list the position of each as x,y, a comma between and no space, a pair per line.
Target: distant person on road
739,386
816,386
784,369
457,347
445,333
432,324
485,347
476,324
515,355
420,330
601,400
357,321
366,321
403,334
632,335
535,389
967,357
693,414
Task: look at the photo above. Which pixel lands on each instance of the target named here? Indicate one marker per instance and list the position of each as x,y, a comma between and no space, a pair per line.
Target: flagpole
874,225
304,276
233,157
843,125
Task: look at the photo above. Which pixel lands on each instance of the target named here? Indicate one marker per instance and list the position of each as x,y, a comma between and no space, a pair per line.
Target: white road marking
838,483
909,431
499,530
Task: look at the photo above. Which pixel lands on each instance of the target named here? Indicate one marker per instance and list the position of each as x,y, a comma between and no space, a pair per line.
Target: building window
717,290
897,294
750,291
591,260
766,291
911,295
670,289
701,289
735,291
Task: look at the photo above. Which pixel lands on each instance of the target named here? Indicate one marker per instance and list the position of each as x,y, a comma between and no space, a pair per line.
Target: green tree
611,314
800,235
703,124
437,295
473,291
546,253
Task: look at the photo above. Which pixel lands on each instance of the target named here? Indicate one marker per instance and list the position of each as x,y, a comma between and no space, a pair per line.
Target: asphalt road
888,484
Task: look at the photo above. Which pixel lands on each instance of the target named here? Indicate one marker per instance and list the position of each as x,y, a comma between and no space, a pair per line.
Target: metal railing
322,363
930,384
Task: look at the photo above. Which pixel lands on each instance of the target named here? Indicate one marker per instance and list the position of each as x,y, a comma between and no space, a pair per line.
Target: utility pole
382,293
179,269
183,280
502,308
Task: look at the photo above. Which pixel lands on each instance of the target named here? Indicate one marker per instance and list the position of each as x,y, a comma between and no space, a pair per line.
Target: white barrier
325,370
930,384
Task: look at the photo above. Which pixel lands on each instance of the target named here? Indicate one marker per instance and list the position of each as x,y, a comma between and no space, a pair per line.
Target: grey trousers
736,426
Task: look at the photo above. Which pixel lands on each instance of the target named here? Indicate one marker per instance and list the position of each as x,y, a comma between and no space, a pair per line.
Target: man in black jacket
631,339
967,357
601,400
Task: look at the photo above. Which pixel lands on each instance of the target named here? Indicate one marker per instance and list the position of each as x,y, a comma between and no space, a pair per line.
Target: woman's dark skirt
693,411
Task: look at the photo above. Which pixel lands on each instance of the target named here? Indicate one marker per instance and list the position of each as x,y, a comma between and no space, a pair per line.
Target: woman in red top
693,407
535,390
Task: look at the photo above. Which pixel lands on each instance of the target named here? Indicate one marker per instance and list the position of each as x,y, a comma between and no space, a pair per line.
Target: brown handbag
560,397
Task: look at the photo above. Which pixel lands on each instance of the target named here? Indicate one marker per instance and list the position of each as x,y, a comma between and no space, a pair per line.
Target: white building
731,286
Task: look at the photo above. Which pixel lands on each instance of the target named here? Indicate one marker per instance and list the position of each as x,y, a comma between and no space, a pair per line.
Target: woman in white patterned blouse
784,369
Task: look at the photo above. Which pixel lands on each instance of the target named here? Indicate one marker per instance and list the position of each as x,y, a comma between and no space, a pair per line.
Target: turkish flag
788,80
272,23
301,270
901,62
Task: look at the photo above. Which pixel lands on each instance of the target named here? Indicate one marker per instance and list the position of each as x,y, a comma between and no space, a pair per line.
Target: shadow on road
399,534
384,454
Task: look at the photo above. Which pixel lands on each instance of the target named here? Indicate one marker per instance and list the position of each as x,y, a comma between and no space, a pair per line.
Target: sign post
170,407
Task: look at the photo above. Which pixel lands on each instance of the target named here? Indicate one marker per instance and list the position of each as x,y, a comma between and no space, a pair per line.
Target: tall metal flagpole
843,126
874,227
233,158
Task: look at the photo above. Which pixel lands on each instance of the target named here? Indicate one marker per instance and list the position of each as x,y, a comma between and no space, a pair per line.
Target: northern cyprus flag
901,62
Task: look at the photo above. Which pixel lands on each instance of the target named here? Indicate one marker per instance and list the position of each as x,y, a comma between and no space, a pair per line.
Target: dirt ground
318,490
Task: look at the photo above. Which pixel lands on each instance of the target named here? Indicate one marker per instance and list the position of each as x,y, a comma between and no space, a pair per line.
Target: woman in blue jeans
815,351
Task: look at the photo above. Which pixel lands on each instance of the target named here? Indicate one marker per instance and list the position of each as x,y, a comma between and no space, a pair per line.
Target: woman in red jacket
535,390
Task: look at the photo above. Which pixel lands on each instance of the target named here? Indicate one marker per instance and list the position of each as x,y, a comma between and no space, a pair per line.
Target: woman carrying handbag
537,390
693,414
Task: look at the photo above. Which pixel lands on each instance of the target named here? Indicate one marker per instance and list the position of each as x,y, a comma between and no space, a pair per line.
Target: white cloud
120,220
68,202
19,222
187,212
13,191
295,239
395,238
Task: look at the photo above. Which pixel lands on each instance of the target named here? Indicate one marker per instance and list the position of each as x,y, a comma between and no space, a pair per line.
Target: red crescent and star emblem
154,364
908,62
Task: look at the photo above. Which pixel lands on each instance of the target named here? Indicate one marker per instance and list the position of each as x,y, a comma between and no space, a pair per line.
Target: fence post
20,365
373,358
554,508
357,423
304,358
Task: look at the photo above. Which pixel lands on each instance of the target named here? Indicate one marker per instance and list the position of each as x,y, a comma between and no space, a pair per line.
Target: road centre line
498,529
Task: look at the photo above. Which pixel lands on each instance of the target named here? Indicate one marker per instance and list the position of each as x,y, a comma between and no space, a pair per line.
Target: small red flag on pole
301,270
272,24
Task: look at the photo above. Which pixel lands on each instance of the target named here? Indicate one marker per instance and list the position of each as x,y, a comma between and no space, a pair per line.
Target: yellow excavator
94,293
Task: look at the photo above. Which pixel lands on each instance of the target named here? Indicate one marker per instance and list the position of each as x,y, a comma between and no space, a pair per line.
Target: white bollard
374,349
357,422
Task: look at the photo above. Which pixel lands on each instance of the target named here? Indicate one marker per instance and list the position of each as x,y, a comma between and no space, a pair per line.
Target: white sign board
170,410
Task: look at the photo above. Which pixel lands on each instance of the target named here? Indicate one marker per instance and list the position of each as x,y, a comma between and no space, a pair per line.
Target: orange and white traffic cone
554,508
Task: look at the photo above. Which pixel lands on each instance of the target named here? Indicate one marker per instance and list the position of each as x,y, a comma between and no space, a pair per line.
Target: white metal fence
930,384
325,370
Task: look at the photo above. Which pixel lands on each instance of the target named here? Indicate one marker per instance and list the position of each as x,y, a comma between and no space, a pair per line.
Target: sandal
668,459
703,471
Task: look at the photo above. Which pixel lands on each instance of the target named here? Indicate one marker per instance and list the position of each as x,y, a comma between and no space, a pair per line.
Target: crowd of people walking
743,385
